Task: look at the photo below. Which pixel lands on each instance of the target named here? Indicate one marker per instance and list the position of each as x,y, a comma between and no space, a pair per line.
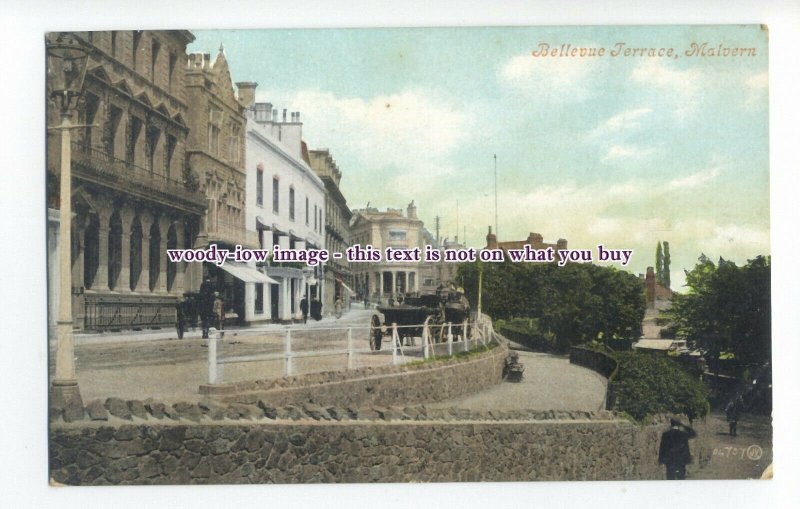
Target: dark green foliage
648,384
665,280
659,264
573,304
728,309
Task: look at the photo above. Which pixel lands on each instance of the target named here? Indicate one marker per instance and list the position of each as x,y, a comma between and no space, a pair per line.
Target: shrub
648,384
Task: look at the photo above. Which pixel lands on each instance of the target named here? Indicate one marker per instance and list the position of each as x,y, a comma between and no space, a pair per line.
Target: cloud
694,180
678,85
550,79
625,120
757,87
385,129
617,152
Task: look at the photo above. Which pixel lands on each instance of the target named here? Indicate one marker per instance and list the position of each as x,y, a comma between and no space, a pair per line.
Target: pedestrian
304,308
732,413
219,311
337,307
366,301
316,309
674,449
206,304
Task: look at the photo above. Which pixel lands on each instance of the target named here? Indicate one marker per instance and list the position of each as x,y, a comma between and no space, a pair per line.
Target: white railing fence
300,350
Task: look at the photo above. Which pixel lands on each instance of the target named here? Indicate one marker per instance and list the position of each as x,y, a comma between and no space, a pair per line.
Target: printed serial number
753,452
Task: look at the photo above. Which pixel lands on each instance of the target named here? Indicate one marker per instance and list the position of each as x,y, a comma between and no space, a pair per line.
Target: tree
575,304
728,309
665,271
659,264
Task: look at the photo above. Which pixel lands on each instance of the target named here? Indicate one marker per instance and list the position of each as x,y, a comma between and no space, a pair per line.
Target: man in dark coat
304,308
674,449
316,309
206,304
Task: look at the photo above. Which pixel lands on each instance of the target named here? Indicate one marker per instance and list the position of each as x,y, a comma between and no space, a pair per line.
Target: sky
618,150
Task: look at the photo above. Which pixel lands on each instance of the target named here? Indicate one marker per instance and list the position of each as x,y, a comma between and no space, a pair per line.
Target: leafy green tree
659,264
665,271
728,309
574,304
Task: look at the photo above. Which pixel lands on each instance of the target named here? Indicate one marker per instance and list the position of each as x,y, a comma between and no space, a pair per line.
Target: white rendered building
284,206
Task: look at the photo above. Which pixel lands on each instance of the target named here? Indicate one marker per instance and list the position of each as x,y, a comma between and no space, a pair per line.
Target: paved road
744,456
550,382
155,364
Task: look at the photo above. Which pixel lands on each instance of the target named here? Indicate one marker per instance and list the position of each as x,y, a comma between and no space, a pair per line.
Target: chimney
206,60
275,115
297,116
284,114
247,93
412,210
491,239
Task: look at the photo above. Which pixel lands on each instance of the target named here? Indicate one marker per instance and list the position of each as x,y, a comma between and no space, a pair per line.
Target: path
550,382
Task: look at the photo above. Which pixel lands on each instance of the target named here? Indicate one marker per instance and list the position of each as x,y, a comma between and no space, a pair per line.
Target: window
171,144
151,144
134,127
397,235
172,61
291,203
259,307
306,210
233,144
214,123
275,197
260,187
137,36
156,48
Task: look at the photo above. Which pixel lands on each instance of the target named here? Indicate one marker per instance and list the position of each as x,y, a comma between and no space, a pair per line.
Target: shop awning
348,288
246,273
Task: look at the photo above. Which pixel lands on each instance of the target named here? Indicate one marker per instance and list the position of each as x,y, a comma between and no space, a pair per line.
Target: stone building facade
382,229
130,197
337,274
285,208
215,150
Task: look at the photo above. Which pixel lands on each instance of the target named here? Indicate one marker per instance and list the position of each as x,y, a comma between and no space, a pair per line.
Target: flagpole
496,229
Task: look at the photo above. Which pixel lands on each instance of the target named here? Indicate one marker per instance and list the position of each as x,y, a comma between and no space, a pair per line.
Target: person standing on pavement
674,449
337,307
206,304
732,413
219,311
304,308
316,309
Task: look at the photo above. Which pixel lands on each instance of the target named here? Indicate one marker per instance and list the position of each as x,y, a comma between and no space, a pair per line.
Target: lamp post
66,68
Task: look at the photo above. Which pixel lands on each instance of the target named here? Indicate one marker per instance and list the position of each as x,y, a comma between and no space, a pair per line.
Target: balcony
95,165
232,234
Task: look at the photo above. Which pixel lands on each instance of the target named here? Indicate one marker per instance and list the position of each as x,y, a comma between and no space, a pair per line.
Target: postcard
408,255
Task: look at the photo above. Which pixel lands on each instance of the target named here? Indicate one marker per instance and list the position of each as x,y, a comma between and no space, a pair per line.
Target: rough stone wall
386,385
312,444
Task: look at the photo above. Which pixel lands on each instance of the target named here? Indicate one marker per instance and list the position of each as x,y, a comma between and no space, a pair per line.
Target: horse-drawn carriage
415,312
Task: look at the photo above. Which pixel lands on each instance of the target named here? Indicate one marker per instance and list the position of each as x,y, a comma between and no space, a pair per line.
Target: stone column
101,279
163,227
143,284
126,216
180,285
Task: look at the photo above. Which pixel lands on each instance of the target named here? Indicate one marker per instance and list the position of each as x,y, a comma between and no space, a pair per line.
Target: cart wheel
375,334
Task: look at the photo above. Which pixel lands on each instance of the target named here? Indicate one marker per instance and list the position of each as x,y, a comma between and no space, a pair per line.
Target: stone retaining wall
263,444
385,385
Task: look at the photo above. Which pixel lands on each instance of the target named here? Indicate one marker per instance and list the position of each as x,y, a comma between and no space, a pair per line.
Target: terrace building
130,194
